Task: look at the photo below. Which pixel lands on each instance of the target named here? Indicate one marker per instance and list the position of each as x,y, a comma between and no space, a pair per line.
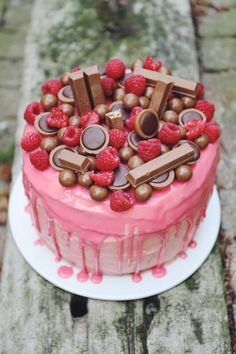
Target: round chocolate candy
125,153
146,123
41,125
49,143
136,64
74,120
195,147
143,192
202,140
67,177
188,102
135,161
144,102
85,180
94,139
119,105
53,157
119,94
130,100
164,148
183,131
121,82
48,101
67,108
102,109
163,180
190,114
175,104
66,95
133,140
170,117
120,181
60,133
148,92
65,79
183,173
98,193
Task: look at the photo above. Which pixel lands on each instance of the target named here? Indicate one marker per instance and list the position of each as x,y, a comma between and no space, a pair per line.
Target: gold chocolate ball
135,161
148,92
170,117
130,101
48,101
85,180
49,143
67,178
98,193
74,120
143,192
125,153
183,131
164,70
60,133
175,104
136,64
67,108
119,94
202,141
65,79
102,109
188,102
144,102
183,173
164,148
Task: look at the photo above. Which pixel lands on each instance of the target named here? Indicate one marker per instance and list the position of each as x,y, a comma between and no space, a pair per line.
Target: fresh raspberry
108,159
206,107
108,85
150,65
170,134
71,136
135,84
76,68
57,118
121,201
51,86
88,118
200,91
212,129
149,149
103,179
194,128
117,138
39,159
32,110
115,68
30,141
130,122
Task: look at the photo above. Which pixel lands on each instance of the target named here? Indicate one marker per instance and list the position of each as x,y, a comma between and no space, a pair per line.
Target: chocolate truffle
175,104
148,92
202,141
130,100
183,131
67,108
60,133
48,101
188,102
170,117
85,180
119,94
135,161
98,193
65,79
49,143
67,178
102,109
144,102
74,120
183,173
125,153
143,192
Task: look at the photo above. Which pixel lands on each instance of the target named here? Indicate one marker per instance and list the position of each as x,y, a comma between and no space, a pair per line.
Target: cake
119,165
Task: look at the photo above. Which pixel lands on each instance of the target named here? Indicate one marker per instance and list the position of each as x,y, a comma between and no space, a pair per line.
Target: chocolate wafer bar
160,96
79,88
94,87
73,161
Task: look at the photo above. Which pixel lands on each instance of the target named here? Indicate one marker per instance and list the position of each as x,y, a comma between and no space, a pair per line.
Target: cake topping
49,143
125,153
149,149
117,138
48,101
53,157
159,97
163,180
85,180
146,123
195,147
108,159
67,93
98,193
120,181
67,178
39,159
42,126
103,179
114,119
94,139
32,110
170,117
121,201
71,160
190,114
212,130
30,141
51,86
71,135
130,100
115,68
116,105
102,110
135,161
206,107
135,84
169,134
183,173
133,140
143,192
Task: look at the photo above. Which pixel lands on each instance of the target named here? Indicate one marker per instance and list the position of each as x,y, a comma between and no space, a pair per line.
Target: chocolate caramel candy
133,140
143,192
73,161
146,123
163,180
190,114
94,139
120,181
195,147
183,173
42,126
67,178
48,101
116,105
66,95
53,157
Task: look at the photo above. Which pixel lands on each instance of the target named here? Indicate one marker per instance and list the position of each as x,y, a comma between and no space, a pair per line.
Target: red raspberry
115,68
135,84
88,118
71,136
212,129
149,149
150,65
108,159
170,134
57,118
206,107
103,179
200,91
130,122
51,86
108,85
39,159
32,110
76,68
194,128
117,138
30,141
121,201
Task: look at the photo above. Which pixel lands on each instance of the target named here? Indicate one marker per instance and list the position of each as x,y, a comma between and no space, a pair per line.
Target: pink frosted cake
118,166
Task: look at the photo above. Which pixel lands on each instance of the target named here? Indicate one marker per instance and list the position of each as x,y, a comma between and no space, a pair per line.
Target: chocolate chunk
133,140
41,125
120,180
195,147
73,161
114,119
79,89
190,114
159,97
94,86
119,105
163,180
94,139
53,157
146,123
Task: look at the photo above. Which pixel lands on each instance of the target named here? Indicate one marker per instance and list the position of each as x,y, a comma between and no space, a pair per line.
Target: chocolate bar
180,86
114,120
160,96
160,165
94,87
73,161
79,88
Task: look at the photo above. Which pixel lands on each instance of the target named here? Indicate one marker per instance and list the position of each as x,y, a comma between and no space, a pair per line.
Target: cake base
65,276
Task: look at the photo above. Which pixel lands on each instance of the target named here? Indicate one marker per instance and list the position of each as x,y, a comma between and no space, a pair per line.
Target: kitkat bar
79,89
73,161
180,86
160,165
94,86
159,97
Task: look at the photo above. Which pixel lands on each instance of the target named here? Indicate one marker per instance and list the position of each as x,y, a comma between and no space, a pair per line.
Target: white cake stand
111,287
